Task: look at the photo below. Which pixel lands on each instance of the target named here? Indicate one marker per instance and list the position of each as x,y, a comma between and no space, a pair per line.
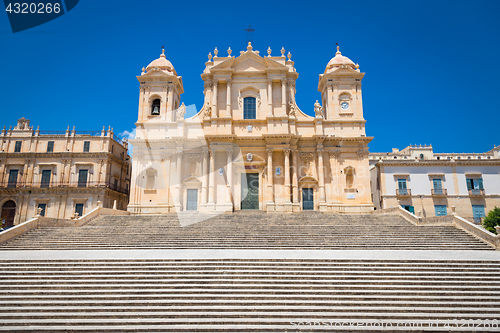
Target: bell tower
160,91
340,87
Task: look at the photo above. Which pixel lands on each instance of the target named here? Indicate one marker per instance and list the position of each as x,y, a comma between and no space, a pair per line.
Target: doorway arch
8,214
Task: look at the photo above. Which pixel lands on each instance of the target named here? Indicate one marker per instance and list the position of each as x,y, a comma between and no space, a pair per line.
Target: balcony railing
476,192
403,192
52,185
438,192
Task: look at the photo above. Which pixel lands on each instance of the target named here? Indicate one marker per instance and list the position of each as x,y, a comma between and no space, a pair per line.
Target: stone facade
60,172
250,146
419,179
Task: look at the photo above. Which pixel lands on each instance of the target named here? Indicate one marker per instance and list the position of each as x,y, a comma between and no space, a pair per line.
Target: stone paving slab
250,254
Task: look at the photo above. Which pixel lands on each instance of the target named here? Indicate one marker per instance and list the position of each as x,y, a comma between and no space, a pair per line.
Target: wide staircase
249,230
249,272
249,295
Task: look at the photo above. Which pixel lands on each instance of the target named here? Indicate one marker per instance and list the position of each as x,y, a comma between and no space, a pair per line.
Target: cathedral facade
250,146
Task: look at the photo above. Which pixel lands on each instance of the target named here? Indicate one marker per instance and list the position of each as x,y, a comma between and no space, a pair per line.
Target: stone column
211,184
270,180
170,103
229,171
2,170
295,182
214,99
321,176
228,98
24,179
105,175
283,97
287,175
335,174
270,96
178,169
204,178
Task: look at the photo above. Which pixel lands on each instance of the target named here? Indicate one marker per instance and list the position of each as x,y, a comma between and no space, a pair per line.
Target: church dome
163,64
338,61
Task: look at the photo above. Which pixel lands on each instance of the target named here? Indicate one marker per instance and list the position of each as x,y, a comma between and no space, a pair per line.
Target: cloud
128,135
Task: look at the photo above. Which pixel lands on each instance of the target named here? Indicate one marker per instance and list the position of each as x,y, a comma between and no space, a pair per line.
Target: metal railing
439,191
403,192
75,184
476,192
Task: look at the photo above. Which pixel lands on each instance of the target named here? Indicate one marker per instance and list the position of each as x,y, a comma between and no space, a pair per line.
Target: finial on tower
338,49
229,51
269,51
216,52
163,52
283,51
209,56
289,56
249,47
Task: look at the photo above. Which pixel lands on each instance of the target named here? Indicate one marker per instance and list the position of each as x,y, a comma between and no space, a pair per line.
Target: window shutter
469,184
480,182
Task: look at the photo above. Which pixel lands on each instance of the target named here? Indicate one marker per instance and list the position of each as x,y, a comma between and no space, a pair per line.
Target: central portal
250,193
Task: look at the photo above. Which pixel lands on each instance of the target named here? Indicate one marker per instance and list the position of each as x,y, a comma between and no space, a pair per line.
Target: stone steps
246,295
249,230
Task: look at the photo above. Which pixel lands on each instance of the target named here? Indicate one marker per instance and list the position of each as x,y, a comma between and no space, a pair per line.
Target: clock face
345,105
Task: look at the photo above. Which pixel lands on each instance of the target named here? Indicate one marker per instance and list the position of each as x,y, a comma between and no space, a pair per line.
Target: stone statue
318,109
181,111
292,109
207,111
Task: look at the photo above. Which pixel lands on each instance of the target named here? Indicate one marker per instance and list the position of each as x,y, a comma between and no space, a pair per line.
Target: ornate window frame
249,91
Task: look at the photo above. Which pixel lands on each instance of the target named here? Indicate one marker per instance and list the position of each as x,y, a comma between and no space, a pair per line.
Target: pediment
191,180
308,179
250,65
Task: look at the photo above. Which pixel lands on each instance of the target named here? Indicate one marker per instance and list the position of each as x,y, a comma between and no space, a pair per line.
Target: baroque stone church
250,146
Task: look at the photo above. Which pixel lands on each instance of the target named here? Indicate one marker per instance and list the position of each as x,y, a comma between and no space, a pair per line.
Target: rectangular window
82,178
17,148
440,210
86,146
249,108
50,147
45,178
79,209
116,184
402,186
475,185
42,206
437,184
13,178
411,209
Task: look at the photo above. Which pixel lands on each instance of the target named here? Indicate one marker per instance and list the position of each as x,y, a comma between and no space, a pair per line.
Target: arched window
249,109
155,107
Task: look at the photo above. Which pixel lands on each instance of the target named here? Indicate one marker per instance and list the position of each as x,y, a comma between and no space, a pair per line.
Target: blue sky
431,67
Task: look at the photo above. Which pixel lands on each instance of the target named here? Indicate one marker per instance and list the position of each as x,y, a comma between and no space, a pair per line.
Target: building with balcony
60,173
436,184
250,146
